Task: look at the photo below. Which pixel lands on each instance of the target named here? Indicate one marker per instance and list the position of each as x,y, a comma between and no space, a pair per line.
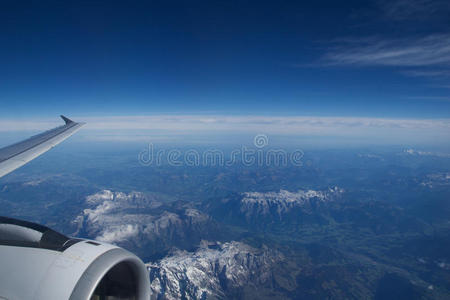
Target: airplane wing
16,155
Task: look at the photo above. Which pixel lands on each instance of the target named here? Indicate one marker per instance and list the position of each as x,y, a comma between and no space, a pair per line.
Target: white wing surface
16,155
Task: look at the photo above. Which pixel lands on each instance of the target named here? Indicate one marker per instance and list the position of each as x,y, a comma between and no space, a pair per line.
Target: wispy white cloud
433,50
436,98
400,10
427,57
427,73
425,50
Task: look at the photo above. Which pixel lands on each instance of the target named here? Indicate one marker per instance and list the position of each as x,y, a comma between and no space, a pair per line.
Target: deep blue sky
326,58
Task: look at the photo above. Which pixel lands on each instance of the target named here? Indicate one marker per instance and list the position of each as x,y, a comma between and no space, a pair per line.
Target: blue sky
365,59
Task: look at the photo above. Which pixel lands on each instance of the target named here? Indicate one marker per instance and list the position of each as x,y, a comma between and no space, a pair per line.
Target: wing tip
66,120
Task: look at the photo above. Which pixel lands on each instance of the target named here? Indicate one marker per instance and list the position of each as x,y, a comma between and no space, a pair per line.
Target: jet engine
42,264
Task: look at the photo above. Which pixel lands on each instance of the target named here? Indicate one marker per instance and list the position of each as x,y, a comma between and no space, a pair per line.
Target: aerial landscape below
239,149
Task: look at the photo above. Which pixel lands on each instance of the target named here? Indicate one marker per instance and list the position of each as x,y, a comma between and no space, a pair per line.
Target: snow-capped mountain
264,210
213,271
283,201
138,222
112,216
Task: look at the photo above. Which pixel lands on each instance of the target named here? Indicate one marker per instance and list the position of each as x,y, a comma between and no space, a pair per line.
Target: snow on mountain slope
141,224
213,271
112,216
283,201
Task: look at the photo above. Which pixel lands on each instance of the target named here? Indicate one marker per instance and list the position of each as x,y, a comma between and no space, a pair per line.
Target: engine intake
39,263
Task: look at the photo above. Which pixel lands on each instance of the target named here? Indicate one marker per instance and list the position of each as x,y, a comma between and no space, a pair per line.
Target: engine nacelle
39,263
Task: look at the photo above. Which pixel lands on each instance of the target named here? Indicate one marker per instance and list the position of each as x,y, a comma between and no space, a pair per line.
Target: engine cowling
39,263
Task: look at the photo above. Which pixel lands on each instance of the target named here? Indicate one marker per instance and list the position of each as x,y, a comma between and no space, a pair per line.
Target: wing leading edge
16,155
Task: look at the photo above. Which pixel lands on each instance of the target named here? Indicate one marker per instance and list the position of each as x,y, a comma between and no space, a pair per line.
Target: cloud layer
145,128
278,124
